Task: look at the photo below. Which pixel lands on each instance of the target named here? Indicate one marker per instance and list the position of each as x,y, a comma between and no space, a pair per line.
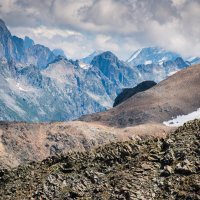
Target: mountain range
151,55
174,96
37,84
130,151
139,116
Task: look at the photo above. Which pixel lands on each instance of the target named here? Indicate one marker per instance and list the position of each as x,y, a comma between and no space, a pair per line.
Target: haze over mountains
38,84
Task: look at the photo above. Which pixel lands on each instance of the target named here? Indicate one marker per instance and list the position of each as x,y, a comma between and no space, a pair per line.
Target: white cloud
121,26
50,33
8,5
178,2
104,42
68,40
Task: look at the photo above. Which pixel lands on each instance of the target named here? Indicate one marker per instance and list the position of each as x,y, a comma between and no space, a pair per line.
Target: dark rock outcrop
129,92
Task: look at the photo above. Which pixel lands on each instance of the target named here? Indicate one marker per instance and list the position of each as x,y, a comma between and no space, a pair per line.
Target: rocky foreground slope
144,169
23,142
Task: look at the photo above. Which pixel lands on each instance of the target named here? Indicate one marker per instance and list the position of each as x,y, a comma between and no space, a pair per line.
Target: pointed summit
105,59
28,42
3,29
90,57
117,71
5,41
2,23
59,52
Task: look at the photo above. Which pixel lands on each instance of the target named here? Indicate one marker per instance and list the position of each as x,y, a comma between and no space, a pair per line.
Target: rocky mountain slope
143,169
24,142
68,90
37,84
159,72
129,92
177,95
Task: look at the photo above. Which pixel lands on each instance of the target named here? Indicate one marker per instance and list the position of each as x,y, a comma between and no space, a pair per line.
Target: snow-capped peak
134,55
194,60
151,55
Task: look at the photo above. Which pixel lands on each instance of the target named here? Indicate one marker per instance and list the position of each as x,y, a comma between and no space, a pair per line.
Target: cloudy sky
81,26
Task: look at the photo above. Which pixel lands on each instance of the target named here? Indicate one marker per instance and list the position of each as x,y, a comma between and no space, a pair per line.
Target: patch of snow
192,58
161,50
181,119
161,61
10,102
4,60
164,59
41,112
18,86
172,73
31,60
148,62
134,55
84,65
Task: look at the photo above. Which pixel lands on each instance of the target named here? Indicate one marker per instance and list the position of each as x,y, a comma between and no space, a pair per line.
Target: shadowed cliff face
152,168
177,95
129,92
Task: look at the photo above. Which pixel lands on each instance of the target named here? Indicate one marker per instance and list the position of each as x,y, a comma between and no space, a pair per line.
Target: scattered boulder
151,168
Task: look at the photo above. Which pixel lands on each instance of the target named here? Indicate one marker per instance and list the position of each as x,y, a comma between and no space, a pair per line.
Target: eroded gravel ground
145,169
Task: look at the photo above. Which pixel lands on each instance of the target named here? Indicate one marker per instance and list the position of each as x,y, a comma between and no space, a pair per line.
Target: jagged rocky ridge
19,53
144,169
37,84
